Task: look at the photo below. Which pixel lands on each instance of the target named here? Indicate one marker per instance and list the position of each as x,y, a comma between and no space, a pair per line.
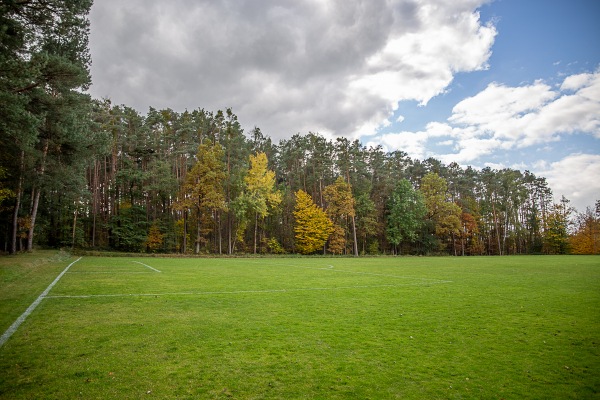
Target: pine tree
44,67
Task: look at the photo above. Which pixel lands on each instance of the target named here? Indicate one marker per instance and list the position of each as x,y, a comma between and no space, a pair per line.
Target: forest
85,173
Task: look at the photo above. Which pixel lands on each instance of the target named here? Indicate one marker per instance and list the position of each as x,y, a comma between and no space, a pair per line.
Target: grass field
301,328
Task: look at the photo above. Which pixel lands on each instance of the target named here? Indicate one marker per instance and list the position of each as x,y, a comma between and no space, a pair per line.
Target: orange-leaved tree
586,239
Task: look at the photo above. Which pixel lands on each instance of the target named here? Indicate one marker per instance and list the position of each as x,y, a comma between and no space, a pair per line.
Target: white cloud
493,106
533,114
575,177
508,118
333,66
575,82
412,143
502,119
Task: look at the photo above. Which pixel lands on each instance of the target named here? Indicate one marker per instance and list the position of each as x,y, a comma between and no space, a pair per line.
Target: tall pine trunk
74,228
197,250
15,221
354,237
230,242
255,230
19,194
36,199
219,231
184,245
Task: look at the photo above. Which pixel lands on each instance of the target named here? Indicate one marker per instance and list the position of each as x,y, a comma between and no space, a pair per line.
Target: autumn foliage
586,239
313,227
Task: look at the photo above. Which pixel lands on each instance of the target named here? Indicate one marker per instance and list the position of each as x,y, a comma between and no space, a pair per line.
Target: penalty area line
147,266
13,328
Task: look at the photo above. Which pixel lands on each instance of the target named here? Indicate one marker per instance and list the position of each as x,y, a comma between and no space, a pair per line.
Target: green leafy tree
312,227
406,210
367,226
129,228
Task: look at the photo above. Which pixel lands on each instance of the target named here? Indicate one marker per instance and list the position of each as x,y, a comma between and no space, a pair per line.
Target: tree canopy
406,213
82,172
312,227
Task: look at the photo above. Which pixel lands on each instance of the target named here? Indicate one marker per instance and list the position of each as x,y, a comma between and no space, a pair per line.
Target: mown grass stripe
13,328
331,268
86,296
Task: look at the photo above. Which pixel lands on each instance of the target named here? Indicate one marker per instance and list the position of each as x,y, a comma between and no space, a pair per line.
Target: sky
500,84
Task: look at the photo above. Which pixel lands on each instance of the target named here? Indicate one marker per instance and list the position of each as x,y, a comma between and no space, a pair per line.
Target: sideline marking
147,266
12,329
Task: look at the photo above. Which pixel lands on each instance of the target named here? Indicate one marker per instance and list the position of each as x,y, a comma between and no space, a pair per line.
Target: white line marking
87,296
147,266
110,272
32,307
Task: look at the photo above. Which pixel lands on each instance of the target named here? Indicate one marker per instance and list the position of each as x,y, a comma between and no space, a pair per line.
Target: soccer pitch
303,328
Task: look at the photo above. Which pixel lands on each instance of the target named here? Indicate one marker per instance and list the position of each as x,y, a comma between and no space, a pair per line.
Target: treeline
85,173
195,182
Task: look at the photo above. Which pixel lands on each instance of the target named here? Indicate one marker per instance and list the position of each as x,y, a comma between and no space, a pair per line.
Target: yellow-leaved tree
154,241
313,226
261,194
340,208
203,192
443,216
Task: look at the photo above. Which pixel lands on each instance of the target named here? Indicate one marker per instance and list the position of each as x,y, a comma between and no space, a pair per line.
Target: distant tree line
85,173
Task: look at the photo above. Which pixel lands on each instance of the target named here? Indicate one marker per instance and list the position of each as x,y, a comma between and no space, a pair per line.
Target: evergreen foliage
87,173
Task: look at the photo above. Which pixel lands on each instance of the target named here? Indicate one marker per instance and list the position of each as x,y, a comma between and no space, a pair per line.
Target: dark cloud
329,66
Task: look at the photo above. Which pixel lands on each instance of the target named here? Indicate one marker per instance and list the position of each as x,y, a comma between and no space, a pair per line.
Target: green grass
23,278
303,328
